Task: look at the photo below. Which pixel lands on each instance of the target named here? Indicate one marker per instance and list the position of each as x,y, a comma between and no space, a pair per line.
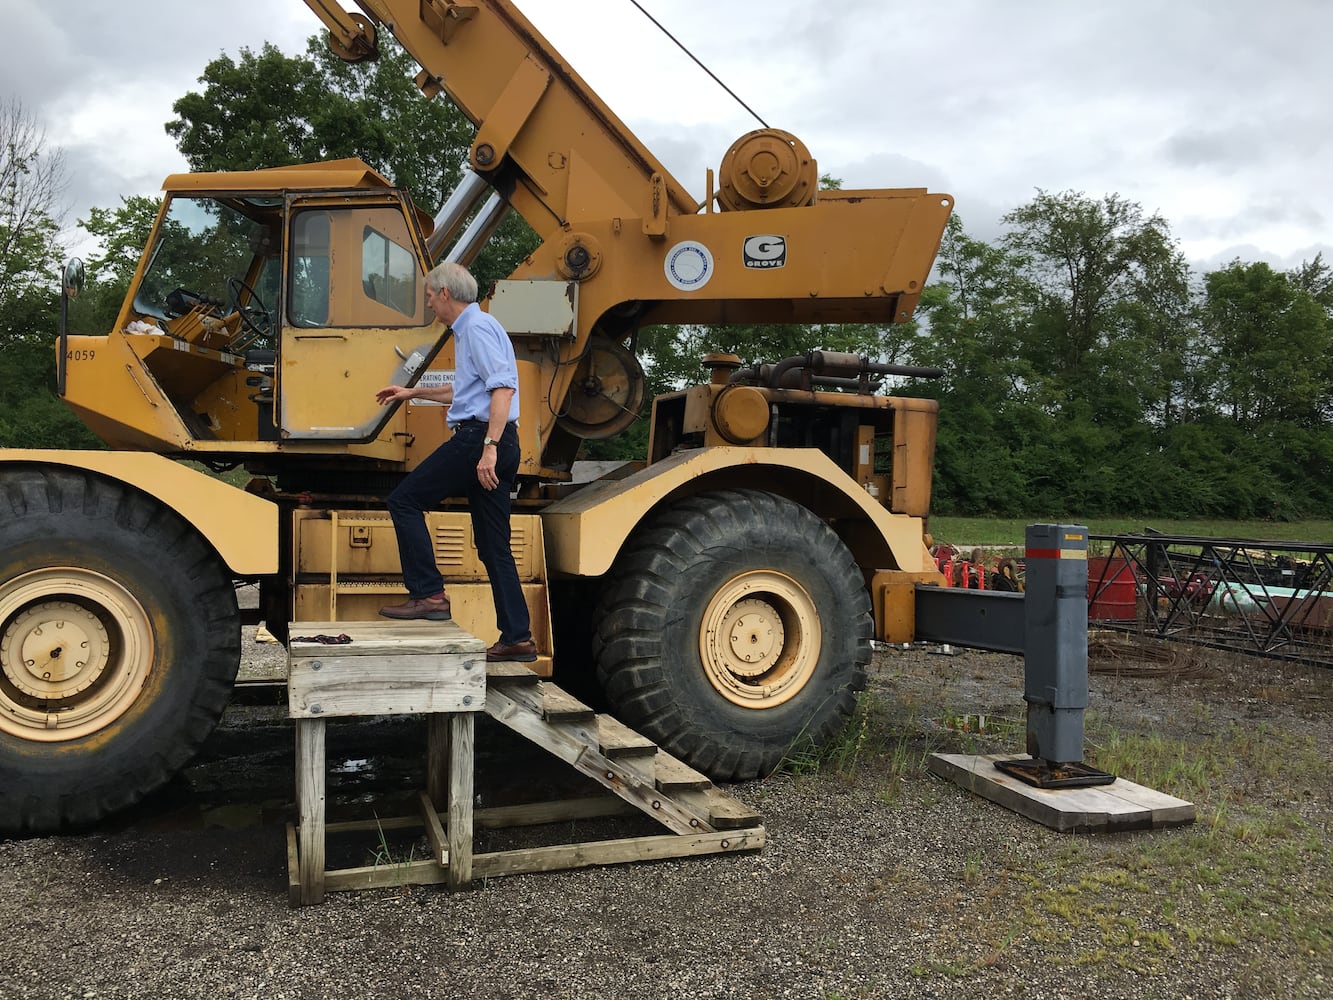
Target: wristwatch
489,440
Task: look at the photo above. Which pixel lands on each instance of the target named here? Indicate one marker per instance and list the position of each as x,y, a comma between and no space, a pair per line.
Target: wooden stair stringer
622,761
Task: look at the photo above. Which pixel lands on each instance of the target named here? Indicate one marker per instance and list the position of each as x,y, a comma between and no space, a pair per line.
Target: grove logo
765,251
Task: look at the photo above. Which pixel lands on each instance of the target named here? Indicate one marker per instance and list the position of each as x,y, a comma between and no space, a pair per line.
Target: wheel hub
759,639
752,632
76,648
54,650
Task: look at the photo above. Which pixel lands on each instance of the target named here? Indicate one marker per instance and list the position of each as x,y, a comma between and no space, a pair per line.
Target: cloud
1206,111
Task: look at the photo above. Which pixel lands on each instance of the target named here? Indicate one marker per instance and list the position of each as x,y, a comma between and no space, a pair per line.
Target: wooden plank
675,775
337,685
373,824
293,868
609,852
310,808
423,872
615,739
726,812
430,819
502,817
437,759
1122,805
546,859
384,637
461,729
532,699
526,696
559,705
538,813
510,672
615,776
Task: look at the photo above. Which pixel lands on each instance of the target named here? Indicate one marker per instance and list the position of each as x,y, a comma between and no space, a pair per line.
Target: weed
842,756
383,855
972,868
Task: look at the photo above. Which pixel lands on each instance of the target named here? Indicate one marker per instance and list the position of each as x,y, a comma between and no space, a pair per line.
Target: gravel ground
879,880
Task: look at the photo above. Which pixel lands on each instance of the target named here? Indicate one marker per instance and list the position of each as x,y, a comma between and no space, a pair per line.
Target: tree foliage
32,180
1086,376
268,109
1087,371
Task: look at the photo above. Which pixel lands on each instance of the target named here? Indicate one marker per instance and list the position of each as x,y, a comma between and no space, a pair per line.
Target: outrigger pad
1045,774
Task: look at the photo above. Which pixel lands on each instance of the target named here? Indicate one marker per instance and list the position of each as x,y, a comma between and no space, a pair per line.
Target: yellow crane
724,593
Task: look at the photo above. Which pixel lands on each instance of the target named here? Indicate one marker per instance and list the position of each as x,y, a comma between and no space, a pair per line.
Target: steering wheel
255,316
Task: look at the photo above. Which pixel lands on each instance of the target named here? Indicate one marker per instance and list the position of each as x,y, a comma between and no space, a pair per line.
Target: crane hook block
767,168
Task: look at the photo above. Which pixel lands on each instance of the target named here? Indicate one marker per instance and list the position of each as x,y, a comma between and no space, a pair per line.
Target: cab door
356,317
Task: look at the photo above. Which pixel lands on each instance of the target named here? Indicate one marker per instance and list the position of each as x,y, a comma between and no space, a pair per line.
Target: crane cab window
210,255
389,272
354,268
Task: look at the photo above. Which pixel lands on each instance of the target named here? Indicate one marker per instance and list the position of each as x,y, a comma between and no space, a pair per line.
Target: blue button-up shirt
483,360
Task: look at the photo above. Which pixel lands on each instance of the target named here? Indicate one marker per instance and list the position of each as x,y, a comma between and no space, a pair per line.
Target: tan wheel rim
760,639
75,650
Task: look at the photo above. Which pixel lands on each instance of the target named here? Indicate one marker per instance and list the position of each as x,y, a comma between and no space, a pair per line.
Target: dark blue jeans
451,471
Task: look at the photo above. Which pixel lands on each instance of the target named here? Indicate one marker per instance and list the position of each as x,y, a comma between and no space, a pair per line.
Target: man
479,461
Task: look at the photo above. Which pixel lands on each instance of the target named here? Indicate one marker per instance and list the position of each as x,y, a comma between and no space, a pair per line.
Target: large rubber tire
119,645
733,627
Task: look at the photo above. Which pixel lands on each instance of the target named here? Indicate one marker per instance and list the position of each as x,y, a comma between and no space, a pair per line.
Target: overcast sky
1213,113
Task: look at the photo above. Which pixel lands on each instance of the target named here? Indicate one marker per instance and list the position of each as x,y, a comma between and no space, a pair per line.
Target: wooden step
621,760
510,672
672,775
617,740
728,813
559,705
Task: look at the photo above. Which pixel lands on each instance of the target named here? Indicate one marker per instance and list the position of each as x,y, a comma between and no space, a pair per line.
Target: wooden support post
437,760
461,730
310,791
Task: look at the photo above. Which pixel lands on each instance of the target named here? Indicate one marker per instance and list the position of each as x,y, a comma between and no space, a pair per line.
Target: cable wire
698,63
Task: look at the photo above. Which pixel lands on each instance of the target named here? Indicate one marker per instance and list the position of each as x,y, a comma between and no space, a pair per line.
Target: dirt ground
879,879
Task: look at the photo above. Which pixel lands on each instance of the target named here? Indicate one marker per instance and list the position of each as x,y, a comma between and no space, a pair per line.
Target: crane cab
268,307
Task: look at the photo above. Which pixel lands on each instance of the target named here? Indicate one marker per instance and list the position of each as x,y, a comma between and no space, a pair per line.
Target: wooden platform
440,670
1122,805
387,668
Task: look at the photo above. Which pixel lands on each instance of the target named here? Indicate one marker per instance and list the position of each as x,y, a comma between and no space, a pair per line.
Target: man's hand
392,394
486,467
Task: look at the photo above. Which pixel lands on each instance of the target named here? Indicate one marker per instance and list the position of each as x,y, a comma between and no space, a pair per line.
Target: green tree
31,182
1106,341
973,322
270,109
122,234
1109,295
1316,278
1269,343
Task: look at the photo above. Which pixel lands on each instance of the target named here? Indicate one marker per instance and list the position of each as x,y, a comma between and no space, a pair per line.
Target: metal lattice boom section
1271,599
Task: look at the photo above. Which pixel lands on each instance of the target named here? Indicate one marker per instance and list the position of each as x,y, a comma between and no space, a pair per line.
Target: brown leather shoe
433,609
521,652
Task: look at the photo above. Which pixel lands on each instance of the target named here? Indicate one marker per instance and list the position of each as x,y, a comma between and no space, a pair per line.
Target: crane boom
545,139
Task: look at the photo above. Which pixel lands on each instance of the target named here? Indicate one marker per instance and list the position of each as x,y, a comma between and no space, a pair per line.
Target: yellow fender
242,527
586,530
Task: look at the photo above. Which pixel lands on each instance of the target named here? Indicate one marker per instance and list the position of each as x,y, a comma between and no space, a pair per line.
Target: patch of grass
865,733
1009,531
384,854
1208,763
979,732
